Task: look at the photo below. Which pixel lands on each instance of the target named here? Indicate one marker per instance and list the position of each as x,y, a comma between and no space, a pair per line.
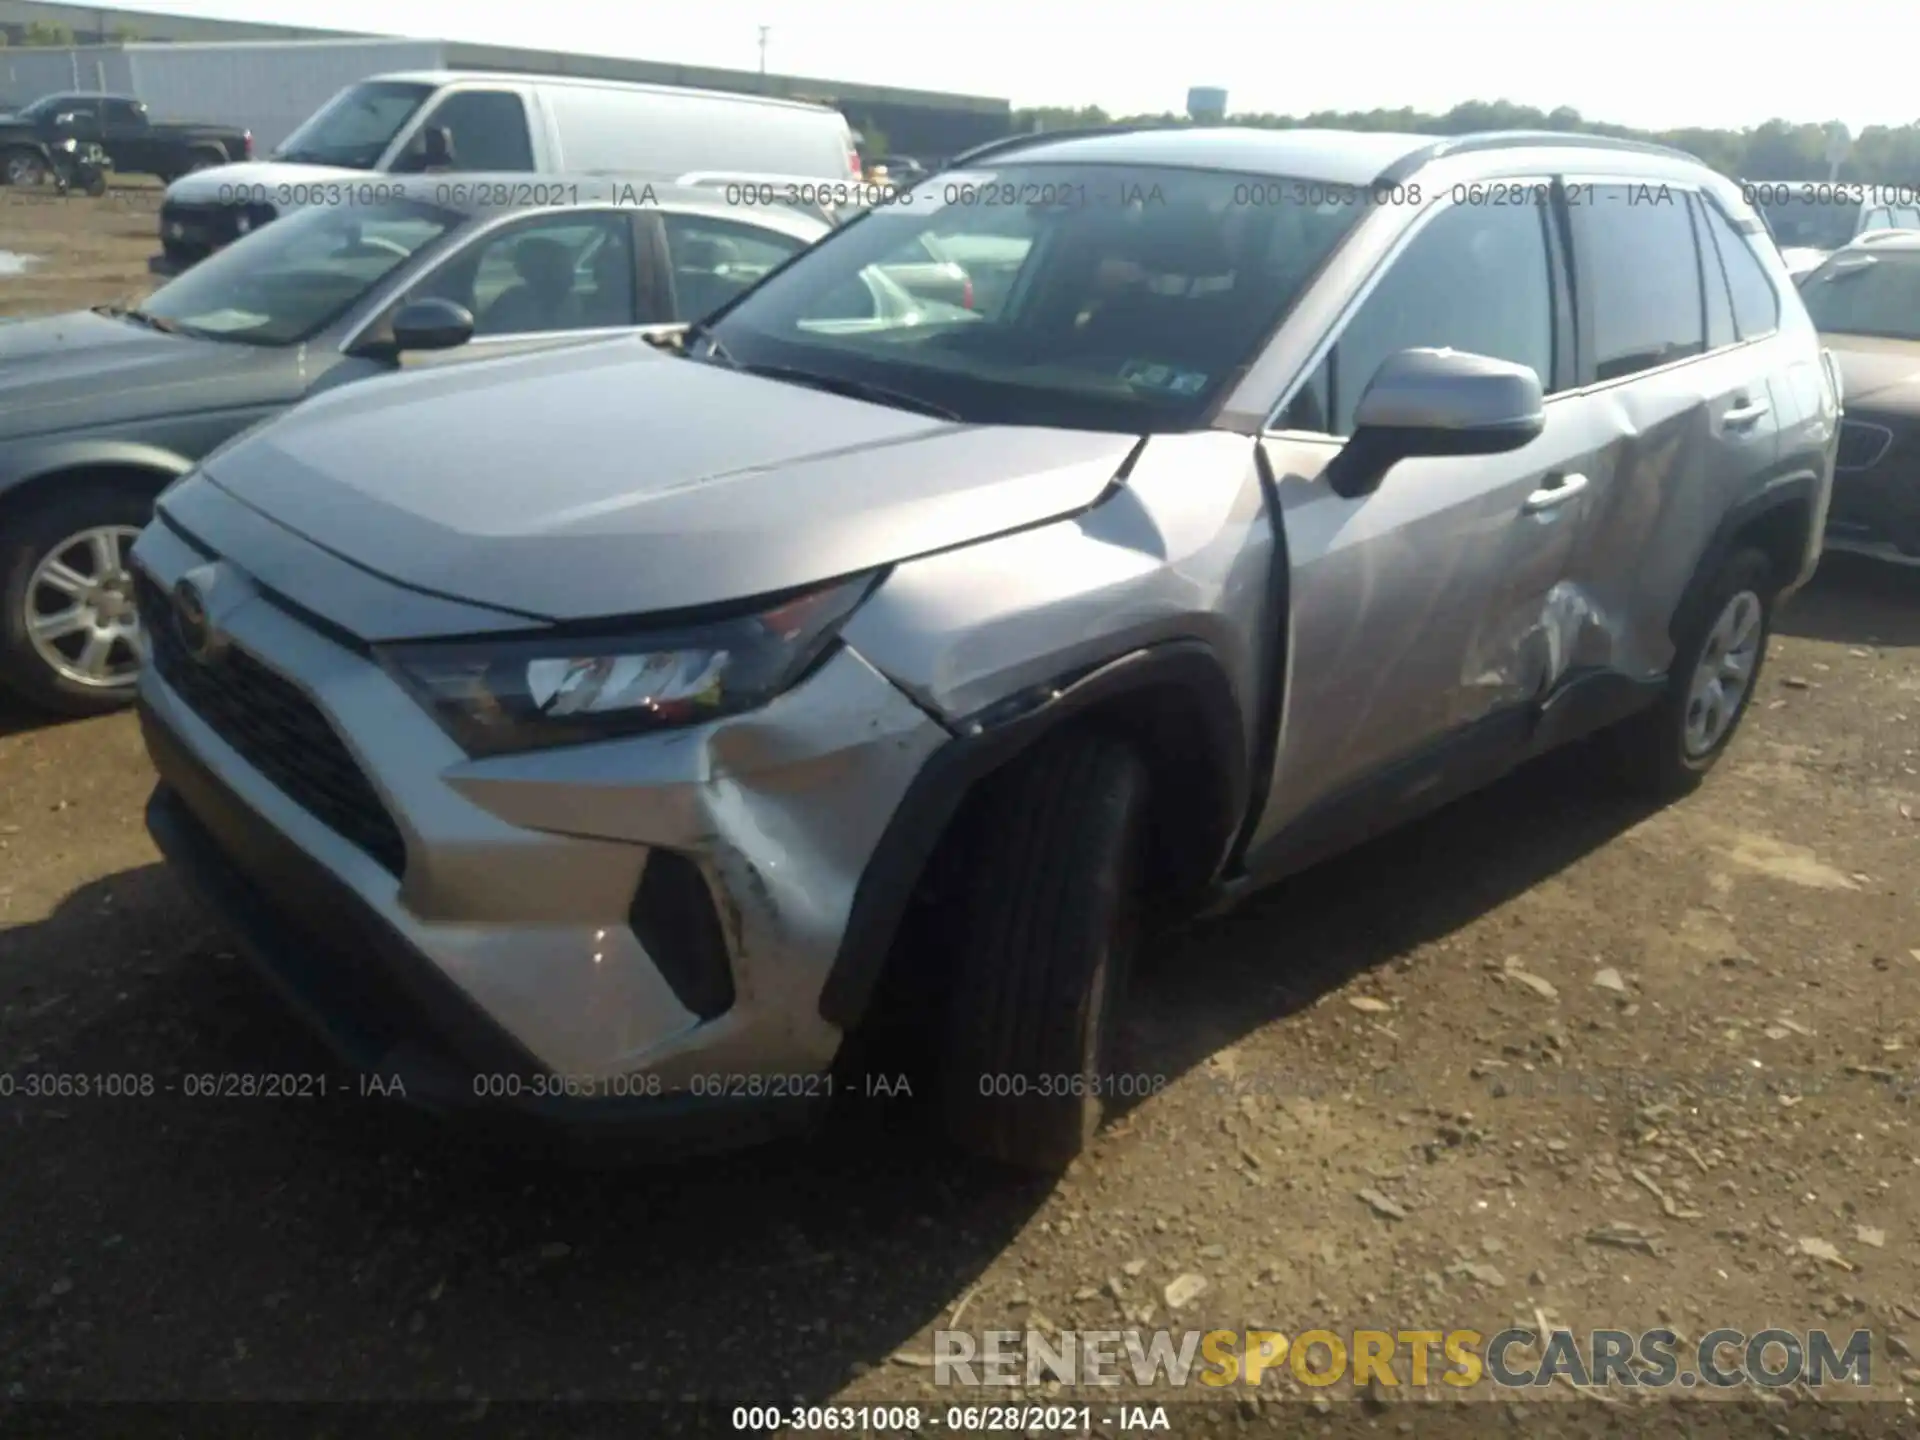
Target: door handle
1743,414
1557,490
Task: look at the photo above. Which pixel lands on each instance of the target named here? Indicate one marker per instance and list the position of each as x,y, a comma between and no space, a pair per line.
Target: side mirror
1436,403
432,325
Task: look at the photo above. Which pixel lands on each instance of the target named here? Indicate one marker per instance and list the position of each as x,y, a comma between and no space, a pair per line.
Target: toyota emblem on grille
199,636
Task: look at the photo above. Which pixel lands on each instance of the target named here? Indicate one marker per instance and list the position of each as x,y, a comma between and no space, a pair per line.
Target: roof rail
1406,165
1008,143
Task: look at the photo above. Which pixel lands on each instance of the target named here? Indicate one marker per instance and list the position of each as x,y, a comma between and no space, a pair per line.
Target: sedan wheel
79,610
1724,673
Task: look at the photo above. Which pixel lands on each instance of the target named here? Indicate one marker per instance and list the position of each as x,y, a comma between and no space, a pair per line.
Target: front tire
69,637
1048,927
1722,647
23,168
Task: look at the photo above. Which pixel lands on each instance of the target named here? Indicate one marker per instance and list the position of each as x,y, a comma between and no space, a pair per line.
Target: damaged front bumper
518,948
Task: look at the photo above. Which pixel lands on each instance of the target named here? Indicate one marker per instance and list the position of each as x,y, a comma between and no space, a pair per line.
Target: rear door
1423,616
712,261
1691,410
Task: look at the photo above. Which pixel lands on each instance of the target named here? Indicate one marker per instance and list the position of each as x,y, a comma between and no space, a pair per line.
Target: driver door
1428,619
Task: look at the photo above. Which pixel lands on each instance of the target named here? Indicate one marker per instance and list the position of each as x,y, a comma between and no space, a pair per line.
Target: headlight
70,146
495,697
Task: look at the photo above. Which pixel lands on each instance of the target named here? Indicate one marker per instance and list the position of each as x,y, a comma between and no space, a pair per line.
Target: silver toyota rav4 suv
614,732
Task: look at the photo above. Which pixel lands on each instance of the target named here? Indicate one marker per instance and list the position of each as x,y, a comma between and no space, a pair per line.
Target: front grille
193,231
1862,444
277,730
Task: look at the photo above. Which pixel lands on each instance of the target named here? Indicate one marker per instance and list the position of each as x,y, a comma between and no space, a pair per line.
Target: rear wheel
69,635
1048,928
1722,647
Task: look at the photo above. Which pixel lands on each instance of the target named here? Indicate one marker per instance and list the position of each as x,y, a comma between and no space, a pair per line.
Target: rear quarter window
1756,304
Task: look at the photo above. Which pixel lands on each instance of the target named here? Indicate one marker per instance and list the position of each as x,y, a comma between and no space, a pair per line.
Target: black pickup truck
119,124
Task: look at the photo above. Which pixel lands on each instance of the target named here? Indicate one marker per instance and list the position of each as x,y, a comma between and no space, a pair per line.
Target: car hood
218,185
81,369
610,479
1879,373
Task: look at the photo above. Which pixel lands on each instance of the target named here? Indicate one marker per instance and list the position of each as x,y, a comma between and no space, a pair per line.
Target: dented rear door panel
1674,466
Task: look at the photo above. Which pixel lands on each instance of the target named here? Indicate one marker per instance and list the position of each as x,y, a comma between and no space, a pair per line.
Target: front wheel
1721,649
1048,928
69,635
24,168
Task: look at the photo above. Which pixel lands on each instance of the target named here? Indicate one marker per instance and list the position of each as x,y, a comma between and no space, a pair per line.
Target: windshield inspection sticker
1170,378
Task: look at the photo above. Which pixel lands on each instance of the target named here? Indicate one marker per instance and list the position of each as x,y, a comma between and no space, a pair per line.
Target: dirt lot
1545,1054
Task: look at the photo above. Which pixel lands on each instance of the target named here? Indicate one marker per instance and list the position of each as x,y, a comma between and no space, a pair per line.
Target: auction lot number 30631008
954,1419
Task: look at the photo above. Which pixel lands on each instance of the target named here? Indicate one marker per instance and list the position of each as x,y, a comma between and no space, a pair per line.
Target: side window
122,112
714,260
1906,218
487,130
1879,218
1635,256
565,271
1475,278
1756,304
1721,331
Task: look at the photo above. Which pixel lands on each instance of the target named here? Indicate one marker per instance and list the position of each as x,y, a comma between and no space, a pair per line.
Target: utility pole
763,48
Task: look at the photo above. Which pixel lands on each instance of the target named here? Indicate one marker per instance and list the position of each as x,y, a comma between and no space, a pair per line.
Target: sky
1649,63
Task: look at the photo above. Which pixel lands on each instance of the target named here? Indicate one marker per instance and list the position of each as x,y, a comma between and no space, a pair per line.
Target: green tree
45,32
1776,150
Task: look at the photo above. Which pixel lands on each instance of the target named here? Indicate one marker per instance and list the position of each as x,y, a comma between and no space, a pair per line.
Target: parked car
101,409
610,733
1810,220
898,170
480,121
119,125
1866,303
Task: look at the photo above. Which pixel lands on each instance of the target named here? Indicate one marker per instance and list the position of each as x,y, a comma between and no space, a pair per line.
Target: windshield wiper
854,389
139,317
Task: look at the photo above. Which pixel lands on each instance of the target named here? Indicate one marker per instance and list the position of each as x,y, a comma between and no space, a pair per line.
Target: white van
482,121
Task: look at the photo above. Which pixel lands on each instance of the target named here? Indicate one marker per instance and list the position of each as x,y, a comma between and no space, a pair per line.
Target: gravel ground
1544,1056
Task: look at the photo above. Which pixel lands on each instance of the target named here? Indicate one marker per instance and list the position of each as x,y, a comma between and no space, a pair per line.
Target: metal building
268,78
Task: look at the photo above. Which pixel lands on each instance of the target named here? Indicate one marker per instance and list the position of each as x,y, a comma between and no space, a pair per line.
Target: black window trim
1564,336
1568,181
1779,304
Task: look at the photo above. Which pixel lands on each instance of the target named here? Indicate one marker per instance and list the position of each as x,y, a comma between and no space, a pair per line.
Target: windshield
1866,295
1812,224
354,128
287,282
1095,297
46,105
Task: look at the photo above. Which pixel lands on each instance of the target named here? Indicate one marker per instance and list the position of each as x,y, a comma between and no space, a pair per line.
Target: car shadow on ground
338,1244
1206,987
1853,600
18,718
